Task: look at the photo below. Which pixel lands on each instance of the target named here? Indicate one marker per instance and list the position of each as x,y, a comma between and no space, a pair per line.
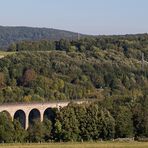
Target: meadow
80,145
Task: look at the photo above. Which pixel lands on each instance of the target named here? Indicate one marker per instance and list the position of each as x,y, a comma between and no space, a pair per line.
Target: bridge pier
41,116
27,121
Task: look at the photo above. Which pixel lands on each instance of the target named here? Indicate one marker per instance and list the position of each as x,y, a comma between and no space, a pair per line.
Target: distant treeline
10,35
104,120
129,45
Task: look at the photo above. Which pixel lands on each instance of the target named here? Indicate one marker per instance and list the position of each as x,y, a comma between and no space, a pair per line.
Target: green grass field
80,145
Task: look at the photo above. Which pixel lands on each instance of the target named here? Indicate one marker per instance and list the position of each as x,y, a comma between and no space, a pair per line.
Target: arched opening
21,117
49,114
7,113
34,115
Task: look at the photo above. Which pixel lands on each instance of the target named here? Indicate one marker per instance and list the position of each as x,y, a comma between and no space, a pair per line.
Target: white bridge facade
26,111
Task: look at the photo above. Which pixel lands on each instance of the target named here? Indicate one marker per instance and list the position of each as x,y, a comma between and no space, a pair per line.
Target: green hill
91,68
109,71
9,35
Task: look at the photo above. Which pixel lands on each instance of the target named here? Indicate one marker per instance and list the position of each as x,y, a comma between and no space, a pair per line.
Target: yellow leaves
2,79
27,98
135,93
58,84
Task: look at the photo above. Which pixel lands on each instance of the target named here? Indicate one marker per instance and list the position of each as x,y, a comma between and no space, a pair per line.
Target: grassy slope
80,145
3,54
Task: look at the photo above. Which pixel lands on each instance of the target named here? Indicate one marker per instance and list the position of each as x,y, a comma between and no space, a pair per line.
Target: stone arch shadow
21,117
49,114
34,114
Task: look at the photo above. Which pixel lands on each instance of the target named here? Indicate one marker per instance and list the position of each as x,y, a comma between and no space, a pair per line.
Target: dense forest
9,35
112,70
90,68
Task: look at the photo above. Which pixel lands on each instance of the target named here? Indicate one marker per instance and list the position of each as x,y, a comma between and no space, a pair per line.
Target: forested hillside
91,68
9,35
111,70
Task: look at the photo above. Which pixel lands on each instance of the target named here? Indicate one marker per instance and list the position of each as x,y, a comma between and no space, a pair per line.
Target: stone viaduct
27,112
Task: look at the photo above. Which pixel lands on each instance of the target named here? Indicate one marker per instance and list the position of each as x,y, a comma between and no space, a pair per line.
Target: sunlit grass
4,53
80,145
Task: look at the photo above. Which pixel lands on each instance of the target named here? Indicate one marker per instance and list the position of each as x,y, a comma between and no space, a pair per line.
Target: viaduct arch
25,113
